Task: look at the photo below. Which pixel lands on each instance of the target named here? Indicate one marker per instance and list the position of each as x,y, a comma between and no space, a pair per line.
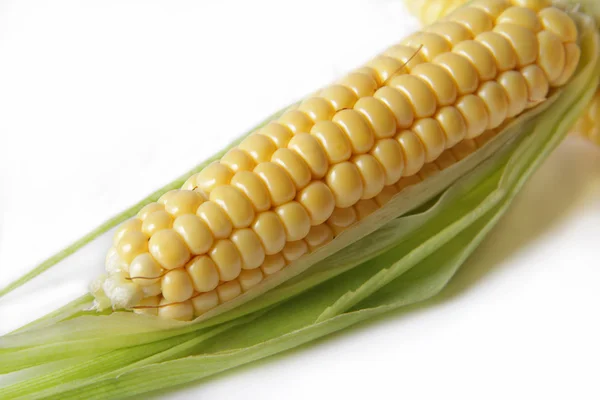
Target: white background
101,102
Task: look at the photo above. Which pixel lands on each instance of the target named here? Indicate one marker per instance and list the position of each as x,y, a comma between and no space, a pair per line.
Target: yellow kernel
259,147
339,96
432,136
559,23
131,225
295,220
273,263
213,175
453,125
522,16
294,250
356,129
333,140
195,232
205,302
378,115
439,80
238,160
250,248
413,150
203,273
148,209
297,122
473,110
144,270
156,221
501,49
480,56
462,71
250,278
270,231
420,95
522,40
372,174
361,84
345,183
310,150
317,109
398,105
474,19
177,286
496,103
179,311
227,259
280,186
429,43
132,244
278,133
216,219
169,249
318,200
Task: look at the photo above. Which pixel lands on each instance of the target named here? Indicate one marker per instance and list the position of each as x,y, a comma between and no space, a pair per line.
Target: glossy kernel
496,102
294,250
522,16
420,95
474,19
131,225
273,263
213,175
270,231
310,150
339,96
216,219
462,71
356,129
473,110
250,248
318,200
407,55
203,273
522,40
144,270
250,278
501,49
238,160
227,259
169,249
156,221
378,115
551,57
372,174
398,104
345,183
179,311
480,57
297,121
413,150
278,183
515,86
132,244
294,165
278,133
317,109
452,31
453,125
259,147
431,135
361,84
254,188
235,204
333,140
388,153
195,232
431,44
385,67
295,220
439,80
179,202
177,286
559,23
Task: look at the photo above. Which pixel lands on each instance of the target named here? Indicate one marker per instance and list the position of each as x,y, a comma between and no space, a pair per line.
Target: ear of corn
430,11
243,212
405,249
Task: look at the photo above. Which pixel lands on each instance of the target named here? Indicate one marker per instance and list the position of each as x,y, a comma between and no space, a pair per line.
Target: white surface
102,102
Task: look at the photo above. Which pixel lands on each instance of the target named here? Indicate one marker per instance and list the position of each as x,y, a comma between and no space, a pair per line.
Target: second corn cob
298,182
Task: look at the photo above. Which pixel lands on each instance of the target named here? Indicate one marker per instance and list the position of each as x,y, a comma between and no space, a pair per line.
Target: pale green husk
396,258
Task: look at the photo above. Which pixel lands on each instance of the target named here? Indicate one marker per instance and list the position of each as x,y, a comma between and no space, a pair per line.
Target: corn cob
321,167
429,11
